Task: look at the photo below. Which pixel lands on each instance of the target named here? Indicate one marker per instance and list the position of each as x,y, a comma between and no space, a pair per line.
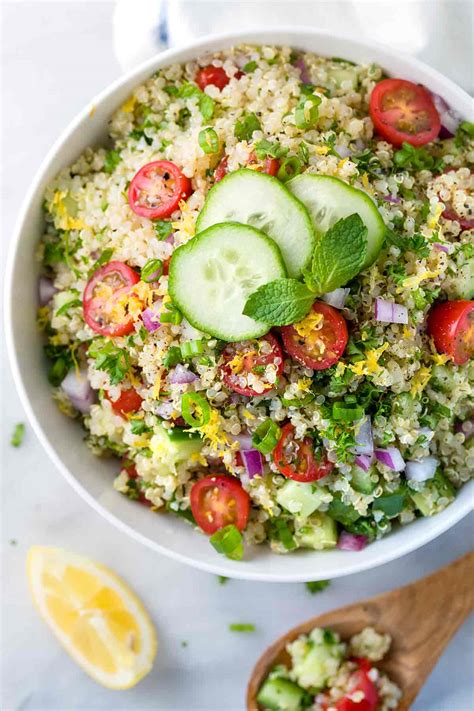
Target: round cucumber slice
212,276
330,199
257,199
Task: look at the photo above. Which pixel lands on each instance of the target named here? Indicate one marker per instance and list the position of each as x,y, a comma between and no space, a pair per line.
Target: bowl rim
270,35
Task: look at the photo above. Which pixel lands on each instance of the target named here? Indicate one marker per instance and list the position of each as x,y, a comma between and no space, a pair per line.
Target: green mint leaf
279,302
339,255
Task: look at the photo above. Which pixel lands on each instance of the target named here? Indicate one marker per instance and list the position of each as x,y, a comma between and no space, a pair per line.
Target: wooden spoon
421,618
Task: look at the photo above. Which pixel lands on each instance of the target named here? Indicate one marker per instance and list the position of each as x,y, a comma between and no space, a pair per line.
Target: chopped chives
242,627
152,270
289,168
229,542
266,436
189,349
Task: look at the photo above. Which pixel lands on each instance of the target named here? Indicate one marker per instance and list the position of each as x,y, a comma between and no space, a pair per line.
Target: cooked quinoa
415,398
324,670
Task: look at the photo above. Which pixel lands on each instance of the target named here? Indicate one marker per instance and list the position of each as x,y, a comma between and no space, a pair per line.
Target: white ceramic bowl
62,437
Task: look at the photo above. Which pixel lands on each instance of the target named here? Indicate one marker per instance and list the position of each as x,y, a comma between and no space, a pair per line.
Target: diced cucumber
435,495
169,452
257,199
444,378
462,285
299,498
319,531
212,276
362,480
343,75
330,199
279,694
318,661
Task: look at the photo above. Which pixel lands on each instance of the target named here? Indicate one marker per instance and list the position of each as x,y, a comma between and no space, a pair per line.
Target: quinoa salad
326,674
259,298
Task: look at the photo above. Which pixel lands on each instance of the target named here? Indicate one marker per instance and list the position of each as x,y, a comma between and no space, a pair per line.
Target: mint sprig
279,302
339,255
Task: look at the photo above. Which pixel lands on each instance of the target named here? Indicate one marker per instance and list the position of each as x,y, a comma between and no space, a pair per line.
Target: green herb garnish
163,229
68,305
17,435
241,627
316,586
307,111
205,103
249,67
410,157
266,436
110,358
112,159
245,127
103,259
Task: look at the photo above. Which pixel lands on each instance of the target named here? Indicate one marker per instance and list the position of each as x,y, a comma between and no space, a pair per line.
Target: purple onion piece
244,440
304,74
363,461
391,458
364,439
253,462
165,410
421,469
389,312
46,290
450,120
77,388
442,247
392,199
336,298
351,542
466,428
182,376
151,317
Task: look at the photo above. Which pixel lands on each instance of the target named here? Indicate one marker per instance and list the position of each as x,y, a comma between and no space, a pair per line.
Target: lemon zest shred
370,365
128,106
420,380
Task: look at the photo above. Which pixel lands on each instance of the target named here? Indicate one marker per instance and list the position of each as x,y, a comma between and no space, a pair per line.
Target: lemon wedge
94,614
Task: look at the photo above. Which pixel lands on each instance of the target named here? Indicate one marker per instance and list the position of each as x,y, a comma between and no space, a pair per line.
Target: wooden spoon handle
436,607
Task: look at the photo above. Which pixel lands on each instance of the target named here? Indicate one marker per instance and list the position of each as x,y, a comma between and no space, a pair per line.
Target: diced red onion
466,427
182,376
77,387
343,151
441,247
392,198
389,312
170,238
151,317
421,469
253,462
244,440
426,432
165,410
450,120
391,457
364,439
46,290
363,461
336,298
351,542
304,74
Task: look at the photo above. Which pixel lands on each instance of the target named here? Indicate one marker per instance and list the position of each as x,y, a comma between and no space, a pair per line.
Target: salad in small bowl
258,298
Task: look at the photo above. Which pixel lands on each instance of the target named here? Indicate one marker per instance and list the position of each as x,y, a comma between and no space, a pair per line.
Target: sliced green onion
171,315
152,270
347,412
241,627
229,542
307,111
69,305
195,409
297,402
189,349
208,140
284,534
18,434
289,168
266,436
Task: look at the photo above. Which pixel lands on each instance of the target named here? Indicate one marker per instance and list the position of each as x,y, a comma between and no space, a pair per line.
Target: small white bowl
62,437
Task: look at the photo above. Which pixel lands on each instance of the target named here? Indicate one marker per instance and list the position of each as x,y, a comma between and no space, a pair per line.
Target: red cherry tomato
101,294
218,501
359,681
133,474
211,75
157,189
449,213
403,111
451,325
221,170
326,342
295,458
247,360
128,401
269,165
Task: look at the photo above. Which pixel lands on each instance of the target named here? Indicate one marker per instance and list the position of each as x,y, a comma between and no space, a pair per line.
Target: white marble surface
48,77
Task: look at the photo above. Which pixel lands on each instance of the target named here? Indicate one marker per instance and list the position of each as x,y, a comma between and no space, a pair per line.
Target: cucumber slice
299,498
212,276
330,199
319,531
362,480
257,199
279,694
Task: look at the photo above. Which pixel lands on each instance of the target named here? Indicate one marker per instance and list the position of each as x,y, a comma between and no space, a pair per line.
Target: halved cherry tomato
245,363
295,458
218,501
221,170
211,75
324,344
359,681
451,325
157,189
268,165
100,297
128,401
133,474
403,111
449,213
